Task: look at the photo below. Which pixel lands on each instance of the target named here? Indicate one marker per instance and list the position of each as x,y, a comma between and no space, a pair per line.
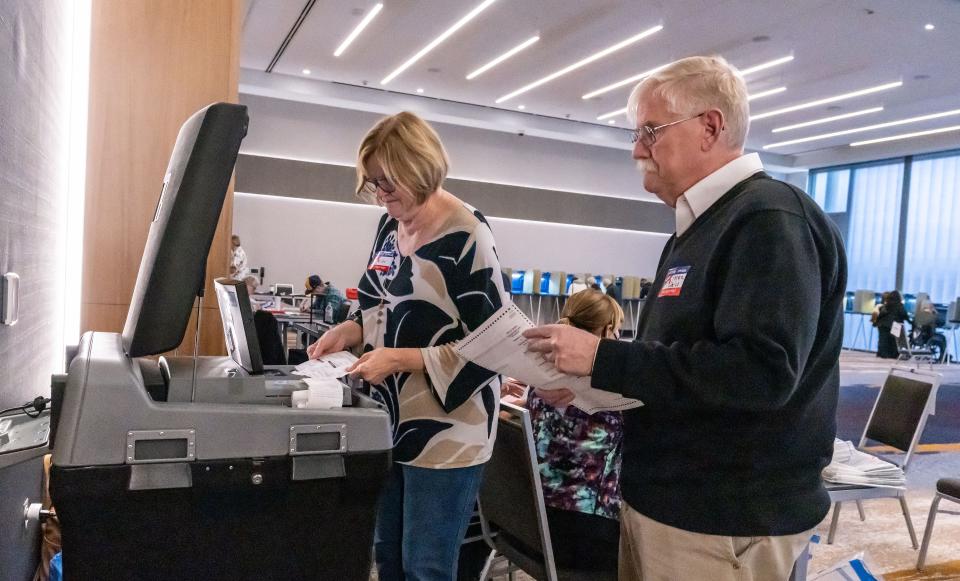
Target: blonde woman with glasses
432,277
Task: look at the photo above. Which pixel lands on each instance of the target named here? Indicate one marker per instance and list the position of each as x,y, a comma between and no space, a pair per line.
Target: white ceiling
838,46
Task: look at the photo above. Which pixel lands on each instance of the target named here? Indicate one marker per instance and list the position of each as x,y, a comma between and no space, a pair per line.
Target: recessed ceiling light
906,135
356,31
435,42
305,71
928,27
419,89
521,107
766,93
611,121
583,62
766,65
502,57
827,119
826,100
867,128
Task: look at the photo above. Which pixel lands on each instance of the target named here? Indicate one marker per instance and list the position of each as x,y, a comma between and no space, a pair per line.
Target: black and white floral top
444,417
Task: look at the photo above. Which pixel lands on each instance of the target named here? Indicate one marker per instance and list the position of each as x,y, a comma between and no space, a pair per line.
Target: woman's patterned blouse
579,457
444,417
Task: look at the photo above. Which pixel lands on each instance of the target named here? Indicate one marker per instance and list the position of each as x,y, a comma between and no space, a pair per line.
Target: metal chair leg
799,572
487,565
833,522
928,531
863,515
906,516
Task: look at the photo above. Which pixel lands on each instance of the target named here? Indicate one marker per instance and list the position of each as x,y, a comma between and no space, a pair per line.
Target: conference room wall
312,132
294,237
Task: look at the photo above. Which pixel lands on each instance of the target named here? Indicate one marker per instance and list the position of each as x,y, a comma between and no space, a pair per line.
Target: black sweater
738,372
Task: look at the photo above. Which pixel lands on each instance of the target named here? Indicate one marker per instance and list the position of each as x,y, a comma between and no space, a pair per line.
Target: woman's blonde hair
408,151
592,311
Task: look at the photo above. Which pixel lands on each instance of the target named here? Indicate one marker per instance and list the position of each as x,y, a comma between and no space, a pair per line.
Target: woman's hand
557,398
343,336
513,388
376,365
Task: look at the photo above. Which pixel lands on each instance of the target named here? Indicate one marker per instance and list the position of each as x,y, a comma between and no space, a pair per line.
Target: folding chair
898,418
947,488
512,512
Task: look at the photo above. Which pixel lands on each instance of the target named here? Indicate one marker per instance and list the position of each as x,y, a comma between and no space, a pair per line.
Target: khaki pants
653,551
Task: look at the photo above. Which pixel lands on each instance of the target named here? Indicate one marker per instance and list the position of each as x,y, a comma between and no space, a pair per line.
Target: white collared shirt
703,194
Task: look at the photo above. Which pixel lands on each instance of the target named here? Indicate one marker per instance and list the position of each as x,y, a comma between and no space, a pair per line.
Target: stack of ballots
851,466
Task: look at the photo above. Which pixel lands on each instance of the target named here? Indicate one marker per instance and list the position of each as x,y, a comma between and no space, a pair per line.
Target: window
932,252
829,188
874,218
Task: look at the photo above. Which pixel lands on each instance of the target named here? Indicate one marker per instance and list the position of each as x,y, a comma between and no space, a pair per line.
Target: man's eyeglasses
370,185
648,135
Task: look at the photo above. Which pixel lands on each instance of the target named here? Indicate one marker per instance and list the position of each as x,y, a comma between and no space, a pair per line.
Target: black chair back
901,410
511,501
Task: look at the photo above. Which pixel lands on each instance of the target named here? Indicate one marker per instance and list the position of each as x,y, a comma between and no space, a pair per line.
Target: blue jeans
421,520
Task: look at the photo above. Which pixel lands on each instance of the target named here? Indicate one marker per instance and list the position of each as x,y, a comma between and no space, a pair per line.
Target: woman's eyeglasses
371,185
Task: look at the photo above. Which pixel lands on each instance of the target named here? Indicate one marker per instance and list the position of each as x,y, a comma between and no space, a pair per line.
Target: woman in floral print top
580,454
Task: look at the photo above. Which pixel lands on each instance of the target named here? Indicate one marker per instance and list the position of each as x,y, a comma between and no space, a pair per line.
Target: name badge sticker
383,261
674,281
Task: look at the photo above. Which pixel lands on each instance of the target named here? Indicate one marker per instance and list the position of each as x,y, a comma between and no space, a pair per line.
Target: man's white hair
696,84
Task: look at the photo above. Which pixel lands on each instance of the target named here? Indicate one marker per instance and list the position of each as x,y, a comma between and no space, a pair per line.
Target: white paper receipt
498,345
330,366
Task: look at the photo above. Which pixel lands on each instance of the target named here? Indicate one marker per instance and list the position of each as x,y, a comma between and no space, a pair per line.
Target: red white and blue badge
673,281
383,261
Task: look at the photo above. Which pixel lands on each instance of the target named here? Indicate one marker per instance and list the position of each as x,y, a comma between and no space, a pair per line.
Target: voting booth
198,468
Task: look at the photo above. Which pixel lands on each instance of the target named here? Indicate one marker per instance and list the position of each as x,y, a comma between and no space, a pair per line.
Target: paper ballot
330,366
498,345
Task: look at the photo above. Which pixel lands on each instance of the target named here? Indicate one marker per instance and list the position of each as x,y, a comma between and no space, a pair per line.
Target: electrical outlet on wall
9,298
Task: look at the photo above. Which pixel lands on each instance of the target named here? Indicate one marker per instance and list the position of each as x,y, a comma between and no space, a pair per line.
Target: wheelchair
924,341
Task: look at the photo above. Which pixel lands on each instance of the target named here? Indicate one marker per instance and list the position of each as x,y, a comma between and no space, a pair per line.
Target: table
284,320
308,330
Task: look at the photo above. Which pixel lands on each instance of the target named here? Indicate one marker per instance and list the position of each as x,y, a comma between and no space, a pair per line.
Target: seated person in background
579,454
890,312
645,287
320,295
251,282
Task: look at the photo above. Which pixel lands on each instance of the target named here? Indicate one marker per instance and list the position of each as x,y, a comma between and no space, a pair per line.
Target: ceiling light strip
581,63
626,81
826,120
906,135
767,93
867,128
833,99
766,65
612,114
435,42
356,31
646,74
502,57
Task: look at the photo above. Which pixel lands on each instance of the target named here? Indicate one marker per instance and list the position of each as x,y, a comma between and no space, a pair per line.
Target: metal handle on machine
35,512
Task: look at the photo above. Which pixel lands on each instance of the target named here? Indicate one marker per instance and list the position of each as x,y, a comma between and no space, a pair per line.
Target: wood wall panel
152,64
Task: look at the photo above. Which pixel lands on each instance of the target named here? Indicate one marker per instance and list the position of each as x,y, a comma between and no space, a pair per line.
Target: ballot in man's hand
571,350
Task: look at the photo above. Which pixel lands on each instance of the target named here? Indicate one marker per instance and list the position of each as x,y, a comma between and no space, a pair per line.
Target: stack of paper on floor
851,466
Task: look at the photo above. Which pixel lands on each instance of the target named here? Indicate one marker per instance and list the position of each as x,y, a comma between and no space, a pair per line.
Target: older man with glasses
736,358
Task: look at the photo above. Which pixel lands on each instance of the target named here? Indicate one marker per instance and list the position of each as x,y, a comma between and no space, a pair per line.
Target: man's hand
569,349
557,398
